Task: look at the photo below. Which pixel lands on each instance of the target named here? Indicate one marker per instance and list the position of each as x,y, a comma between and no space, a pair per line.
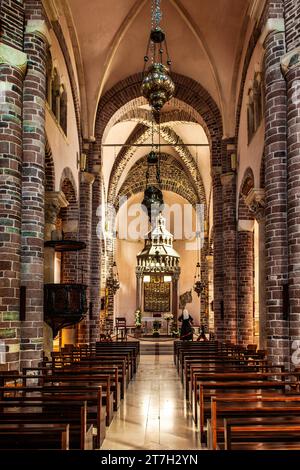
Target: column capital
87,178
245,225
14,58
255,201
54,201
290,61
38,28
273,25
216,171
227,178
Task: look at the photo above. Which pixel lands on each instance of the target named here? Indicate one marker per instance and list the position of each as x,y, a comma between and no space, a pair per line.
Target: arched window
255,106
55,94
63,110
250,112
49,70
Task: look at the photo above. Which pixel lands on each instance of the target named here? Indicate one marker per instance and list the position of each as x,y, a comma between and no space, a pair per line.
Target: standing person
186,328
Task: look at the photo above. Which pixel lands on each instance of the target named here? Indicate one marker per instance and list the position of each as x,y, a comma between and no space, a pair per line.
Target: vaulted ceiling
205,39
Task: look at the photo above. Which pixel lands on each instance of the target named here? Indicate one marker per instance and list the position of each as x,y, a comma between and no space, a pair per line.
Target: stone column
85,235
229,256
33,175
175,281
276,191
139,283
12,69
256,204
96,261
245,247
218,304
291,68
210,289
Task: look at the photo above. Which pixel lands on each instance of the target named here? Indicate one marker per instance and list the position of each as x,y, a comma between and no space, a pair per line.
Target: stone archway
206,113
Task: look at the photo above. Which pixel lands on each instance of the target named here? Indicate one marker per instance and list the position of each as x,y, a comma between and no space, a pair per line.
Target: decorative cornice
227,178
88,178
38,28
273,25
255,201
54,201
290,60
12,57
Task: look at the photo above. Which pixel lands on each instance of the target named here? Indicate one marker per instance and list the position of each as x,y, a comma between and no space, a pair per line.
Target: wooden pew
253,407
55,412
265,430
34,436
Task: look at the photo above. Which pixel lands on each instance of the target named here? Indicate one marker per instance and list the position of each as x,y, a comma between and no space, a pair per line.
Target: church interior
149,224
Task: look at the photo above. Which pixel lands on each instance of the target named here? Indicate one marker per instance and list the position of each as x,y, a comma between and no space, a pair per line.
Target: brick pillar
291,69
245,247
85,235
275,192
33,175
229,256
95,264
218,303
12,69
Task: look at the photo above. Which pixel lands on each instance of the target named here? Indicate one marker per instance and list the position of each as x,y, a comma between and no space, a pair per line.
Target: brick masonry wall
85,235
275,193
293,116
95,265
245,287
12,23
11,78
33,178
218,305
292,24
229,256
69,217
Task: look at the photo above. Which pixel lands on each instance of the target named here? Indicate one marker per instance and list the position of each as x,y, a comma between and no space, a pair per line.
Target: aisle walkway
154,414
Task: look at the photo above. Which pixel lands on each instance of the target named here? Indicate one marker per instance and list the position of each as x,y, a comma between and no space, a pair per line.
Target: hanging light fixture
113,281
198,284
157,86
153,196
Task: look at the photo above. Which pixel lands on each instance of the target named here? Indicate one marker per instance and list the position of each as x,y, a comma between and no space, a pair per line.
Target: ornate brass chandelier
157,86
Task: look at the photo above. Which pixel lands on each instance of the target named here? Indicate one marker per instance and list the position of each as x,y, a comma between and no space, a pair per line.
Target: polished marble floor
154,414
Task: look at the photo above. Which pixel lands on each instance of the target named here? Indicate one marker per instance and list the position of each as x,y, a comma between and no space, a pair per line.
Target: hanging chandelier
153,197
157,86
113,282
198,284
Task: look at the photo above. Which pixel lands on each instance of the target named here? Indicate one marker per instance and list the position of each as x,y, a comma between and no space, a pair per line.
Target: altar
157,276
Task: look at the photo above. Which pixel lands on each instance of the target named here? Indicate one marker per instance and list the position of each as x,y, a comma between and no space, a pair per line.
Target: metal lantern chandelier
157,87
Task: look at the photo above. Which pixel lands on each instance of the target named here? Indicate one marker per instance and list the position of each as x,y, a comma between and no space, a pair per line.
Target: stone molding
14,58
227,178
86,177
255,201
245,225
54,201
38,28
273,25
290,60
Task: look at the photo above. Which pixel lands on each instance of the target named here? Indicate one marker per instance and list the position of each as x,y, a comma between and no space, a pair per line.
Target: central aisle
154,414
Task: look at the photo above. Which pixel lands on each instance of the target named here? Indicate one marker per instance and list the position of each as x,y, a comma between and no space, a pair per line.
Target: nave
154,414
